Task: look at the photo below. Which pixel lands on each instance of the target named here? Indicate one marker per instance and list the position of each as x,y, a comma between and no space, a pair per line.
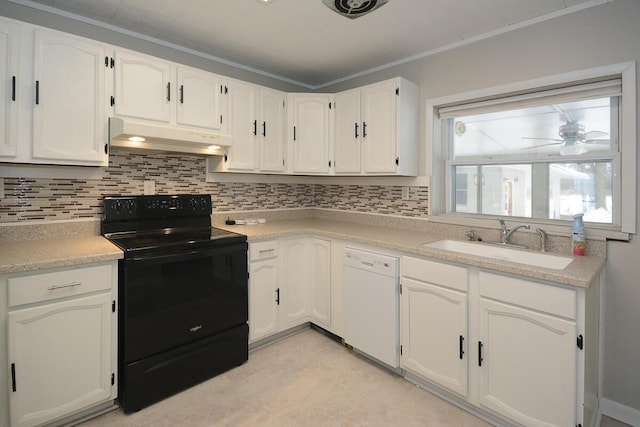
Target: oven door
170,300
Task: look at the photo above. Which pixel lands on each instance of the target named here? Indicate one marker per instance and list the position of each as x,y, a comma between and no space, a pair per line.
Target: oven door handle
195,253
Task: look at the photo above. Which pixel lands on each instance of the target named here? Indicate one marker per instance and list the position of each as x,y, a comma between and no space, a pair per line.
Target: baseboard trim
620,412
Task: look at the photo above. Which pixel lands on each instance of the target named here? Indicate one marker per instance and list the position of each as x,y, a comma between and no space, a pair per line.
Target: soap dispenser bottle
577,235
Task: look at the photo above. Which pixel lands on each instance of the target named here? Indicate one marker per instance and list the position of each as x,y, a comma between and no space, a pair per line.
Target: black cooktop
177,239
162,223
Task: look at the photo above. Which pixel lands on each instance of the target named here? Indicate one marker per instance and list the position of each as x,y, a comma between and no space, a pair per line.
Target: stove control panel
120,208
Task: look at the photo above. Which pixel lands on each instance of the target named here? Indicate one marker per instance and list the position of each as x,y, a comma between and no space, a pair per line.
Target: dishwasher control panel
369,261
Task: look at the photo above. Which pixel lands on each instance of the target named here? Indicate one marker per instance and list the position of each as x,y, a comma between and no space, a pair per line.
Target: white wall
602,35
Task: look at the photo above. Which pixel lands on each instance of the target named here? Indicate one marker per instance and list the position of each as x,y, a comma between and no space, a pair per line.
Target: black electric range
182,292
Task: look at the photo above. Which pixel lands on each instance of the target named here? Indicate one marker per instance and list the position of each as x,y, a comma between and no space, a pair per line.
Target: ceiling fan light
572,150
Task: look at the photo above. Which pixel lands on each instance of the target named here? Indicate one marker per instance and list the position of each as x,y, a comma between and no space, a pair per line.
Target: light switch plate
406,193
1,188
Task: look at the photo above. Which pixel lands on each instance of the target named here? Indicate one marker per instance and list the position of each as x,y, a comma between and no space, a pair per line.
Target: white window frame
437,169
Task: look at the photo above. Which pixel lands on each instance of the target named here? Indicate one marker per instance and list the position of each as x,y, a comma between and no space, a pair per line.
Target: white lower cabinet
289,285
320,282
512,348
434,322
527,350
295,281
306,281
264,291
61,343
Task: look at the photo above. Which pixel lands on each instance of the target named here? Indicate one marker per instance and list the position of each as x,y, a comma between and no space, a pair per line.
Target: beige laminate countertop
31,255
579,273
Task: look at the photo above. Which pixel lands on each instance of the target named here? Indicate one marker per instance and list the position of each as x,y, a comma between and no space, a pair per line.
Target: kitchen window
541,153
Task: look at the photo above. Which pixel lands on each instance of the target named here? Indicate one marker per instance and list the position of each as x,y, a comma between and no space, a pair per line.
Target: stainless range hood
157,137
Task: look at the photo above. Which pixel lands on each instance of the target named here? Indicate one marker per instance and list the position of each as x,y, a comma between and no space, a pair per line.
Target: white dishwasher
371,302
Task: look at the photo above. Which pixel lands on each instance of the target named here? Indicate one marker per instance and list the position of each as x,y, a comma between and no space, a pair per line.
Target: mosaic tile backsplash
38,199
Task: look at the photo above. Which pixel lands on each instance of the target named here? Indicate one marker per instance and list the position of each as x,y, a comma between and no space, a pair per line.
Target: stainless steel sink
502,253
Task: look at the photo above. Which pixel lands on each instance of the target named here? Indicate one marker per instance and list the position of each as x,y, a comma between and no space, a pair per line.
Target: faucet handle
471,235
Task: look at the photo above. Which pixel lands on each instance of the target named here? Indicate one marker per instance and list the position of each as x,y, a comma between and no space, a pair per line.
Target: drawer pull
264,251
66,285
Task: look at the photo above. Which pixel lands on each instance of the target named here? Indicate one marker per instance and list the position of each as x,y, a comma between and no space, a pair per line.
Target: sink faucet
543,239
506,234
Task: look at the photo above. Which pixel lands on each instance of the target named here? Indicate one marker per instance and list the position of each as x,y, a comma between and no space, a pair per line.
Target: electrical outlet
406,193
1,188
149,187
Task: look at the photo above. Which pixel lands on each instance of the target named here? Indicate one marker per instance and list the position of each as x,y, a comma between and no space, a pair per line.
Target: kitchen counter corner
30,255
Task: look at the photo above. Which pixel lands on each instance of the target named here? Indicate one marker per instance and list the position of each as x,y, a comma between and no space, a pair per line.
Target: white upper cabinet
310,129
271,131
348,133
53,107
243,126
199,98
376,129
256,121
69,121
142,87
150,88
9,45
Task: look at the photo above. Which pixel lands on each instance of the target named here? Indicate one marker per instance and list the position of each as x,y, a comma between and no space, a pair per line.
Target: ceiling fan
574,140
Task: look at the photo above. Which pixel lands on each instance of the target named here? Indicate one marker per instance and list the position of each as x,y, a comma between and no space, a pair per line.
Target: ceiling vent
354,8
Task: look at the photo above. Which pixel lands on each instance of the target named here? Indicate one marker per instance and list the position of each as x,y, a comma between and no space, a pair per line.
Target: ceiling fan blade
543,139
597,141
542,145
595,134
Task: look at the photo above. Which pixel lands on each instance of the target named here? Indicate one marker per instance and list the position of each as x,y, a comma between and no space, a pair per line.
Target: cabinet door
9,44
69,121
199,98
434,334
295,295
60,357
320,281
379,123
348,131
263,298
527,364
310,138
271,130
143,87
243,126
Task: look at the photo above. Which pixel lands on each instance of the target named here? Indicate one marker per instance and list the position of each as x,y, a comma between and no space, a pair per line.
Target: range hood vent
156,137
353,8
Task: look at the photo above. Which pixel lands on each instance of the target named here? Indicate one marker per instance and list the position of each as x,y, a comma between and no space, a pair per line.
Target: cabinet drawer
437,273
537,296
263,250
58,284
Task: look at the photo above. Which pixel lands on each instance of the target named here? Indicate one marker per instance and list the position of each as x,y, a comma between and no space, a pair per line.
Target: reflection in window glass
535,161
572,128
581,187
551,191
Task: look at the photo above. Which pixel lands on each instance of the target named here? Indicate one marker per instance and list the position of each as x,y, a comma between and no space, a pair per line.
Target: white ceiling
303,41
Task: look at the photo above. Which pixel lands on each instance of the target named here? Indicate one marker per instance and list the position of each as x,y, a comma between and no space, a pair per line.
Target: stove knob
130,205
117,205
193,203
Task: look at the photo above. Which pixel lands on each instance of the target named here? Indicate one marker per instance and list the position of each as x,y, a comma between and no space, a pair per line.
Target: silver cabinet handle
266,250
66,285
